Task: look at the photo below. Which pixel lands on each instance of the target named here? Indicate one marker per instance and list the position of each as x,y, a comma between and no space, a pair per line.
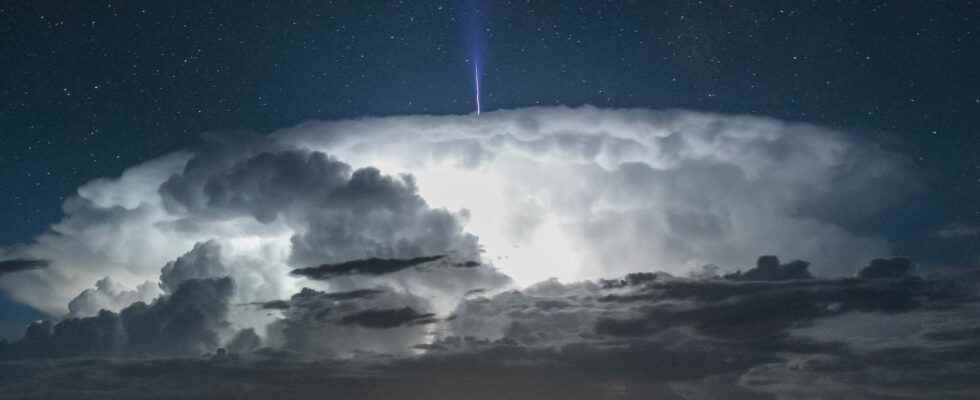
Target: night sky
90,88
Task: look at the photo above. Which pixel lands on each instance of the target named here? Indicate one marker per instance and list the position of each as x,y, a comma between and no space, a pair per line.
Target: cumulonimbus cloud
509,197
615,191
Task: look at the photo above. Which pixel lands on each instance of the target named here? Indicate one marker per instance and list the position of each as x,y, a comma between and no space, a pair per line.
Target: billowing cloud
111,296
651,333
606,192
189,322
338,213
192,321
571,193
409,244
203,261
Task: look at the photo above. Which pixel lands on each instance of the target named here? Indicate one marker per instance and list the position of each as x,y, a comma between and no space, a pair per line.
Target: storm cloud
621,245
678,337
613,192
189,322
619,191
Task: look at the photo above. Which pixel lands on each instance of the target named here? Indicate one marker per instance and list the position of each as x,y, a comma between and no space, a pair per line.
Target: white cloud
571,193
108,295
585,192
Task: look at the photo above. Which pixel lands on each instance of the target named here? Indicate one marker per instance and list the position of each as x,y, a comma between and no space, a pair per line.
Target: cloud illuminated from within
570,193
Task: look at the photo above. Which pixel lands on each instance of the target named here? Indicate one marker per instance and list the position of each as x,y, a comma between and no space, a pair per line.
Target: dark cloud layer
768,268
731,310
189,322
333,323
348,295
886,268
388,318
21,264
371,266
272,305
644,334
765,332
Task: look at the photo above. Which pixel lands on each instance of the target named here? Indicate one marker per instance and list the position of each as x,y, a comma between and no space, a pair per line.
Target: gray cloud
343,214
318,324
641,334
245,341
392,221
348,295
188,322
262,183
371,266
765,337
768,268
203,261
21,264
189,319
887,268
109,295
272,304
388,318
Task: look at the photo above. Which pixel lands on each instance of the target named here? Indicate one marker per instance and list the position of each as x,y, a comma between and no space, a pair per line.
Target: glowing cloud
541,192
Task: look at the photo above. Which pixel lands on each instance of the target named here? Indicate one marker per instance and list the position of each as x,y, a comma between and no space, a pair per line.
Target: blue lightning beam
473,23
476,81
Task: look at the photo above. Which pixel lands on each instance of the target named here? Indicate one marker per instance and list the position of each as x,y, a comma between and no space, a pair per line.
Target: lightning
476,85
473,26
